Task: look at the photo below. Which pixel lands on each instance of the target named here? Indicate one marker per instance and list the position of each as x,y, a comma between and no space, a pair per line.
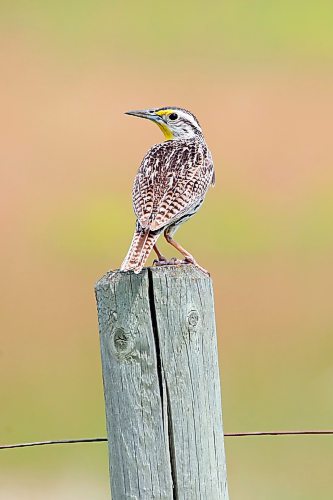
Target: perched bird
170,185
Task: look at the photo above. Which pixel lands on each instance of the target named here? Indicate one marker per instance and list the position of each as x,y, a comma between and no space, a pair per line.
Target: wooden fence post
161,385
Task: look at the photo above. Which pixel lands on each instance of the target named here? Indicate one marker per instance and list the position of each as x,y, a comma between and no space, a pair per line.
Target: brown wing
173,176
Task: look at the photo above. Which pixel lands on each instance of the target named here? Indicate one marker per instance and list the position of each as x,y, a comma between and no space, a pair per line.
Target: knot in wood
192,319
122,343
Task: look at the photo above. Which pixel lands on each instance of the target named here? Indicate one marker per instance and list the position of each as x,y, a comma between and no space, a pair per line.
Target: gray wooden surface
161,384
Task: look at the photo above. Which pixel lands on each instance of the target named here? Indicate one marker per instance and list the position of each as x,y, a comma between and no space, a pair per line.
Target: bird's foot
176,262
160,262
166,262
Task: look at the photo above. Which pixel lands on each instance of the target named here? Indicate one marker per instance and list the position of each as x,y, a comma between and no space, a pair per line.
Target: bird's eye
173,116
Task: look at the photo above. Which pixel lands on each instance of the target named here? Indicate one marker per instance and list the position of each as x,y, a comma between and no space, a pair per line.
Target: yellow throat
163,126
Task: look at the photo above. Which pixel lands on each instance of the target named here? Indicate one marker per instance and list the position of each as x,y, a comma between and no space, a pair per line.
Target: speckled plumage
169,187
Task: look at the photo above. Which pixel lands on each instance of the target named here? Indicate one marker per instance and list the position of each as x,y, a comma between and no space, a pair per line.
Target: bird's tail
138,253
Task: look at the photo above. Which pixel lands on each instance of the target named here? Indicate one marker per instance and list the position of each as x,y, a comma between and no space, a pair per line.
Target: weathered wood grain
161,383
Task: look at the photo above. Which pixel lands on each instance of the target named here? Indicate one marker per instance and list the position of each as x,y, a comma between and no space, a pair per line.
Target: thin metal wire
60,441
227,434
280,433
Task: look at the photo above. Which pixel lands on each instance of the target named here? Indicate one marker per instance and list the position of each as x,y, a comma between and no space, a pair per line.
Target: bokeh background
258,74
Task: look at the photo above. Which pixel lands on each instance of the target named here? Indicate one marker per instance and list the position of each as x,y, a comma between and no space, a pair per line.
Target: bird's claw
166,262
176,262
160,262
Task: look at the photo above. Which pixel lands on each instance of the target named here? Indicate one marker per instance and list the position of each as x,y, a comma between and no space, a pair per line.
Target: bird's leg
188,258
161,260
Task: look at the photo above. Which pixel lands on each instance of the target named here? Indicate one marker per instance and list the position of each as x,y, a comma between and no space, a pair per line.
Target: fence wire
227,434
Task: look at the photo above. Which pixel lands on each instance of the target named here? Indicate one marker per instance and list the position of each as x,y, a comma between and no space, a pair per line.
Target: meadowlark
170,185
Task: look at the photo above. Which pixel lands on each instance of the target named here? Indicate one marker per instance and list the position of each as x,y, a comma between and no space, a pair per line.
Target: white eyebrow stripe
189,117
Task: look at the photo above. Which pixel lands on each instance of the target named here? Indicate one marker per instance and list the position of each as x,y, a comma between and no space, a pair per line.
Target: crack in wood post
171,442
161,379
155,332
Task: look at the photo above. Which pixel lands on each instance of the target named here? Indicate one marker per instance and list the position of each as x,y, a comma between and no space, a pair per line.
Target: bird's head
175,123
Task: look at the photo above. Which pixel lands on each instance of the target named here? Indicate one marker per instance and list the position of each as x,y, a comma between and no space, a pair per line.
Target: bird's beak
150,114
143,114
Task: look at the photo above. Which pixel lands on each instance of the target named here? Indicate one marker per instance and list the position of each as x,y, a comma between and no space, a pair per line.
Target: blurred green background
259,77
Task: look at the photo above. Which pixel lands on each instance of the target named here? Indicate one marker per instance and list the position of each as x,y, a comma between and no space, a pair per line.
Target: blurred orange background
258,75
